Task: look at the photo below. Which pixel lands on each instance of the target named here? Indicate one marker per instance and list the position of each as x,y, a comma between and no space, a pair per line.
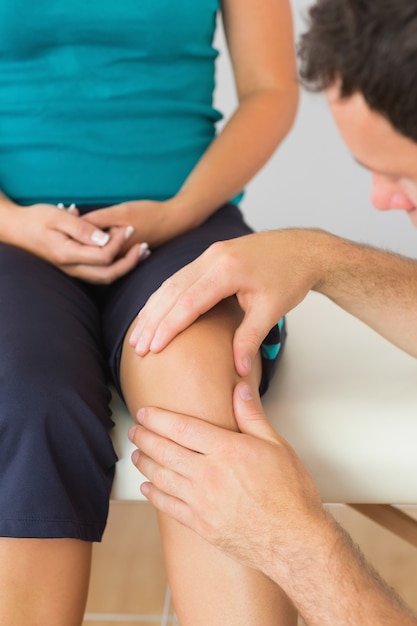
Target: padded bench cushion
344,397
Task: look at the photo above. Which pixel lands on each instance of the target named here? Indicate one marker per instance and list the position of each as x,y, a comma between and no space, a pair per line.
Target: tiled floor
129,584
128,574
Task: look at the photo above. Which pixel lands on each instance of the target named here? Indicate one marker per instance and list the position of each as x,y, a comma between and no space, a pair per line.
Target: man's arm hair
330,581
377,286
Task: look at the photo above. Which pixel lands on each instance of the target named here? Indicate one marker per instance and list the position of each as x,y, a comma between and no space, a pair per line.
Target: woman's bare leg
43,581
195,375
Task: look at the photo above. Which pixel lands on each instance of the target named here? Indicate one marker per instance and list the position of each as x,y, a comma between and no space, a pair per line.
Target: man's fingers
174,307
168,490
170,482
189,293
174,507
164,452
190,304
185,430
149,318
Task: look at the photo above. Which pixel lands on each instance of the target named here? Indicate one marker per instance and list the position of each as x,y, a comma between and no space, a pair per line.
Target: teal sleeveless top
104,100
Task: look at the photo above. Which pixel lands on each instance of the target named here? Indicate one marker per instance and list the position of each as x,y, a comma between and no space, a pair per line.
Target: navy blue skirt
60,345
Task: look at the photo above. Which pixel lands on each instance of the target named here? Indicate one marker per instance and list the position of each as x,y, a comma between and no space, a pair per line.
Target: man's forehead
370,137
355,103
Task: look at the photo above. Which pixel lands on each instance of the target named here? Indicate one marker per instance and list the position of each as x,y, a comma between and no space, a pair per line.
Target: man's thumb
249,413
246,342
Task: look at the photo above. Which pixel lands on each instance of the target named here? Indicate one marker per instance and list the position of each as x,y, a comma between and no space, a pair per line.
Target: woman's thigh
56,457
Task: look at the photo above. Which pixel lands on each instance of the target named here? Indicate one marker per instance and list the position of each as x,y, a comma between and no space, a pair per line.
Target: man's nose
387,194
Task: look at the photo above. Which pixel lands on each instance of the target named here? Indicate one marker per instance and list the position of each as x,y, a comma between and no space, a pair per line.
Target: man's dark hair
370,46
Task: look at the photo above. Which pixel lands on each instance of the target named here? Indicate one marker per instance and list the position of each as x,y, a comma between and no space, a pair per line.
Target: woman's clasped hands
74,244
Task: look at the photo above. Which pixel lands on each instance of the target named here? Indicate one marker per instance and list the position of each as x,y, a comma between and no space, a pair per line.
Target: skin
268,515
67,241
31,563
197,571
375,144
293,261
267,96
260,41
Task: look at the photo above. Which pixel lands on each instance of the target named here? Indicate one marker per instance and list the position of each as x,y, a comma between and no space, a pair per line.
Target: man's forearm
329,581
378,287
270,273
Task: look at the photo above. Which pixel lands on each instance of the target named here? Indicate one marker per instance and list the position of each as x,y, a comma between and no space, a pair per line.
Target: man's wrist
310,541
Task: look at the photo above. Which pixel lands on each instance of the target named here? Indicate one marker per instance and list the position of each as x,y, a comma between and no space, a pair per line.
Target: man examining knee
363,54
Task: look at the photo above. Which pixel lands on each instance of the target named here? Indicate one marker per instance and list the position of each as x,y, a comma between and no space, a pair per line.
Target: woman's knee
195,374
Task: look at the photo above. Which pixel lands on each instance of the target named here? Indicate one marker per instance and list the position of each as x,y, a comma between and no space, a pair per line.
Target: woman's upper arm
260,39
